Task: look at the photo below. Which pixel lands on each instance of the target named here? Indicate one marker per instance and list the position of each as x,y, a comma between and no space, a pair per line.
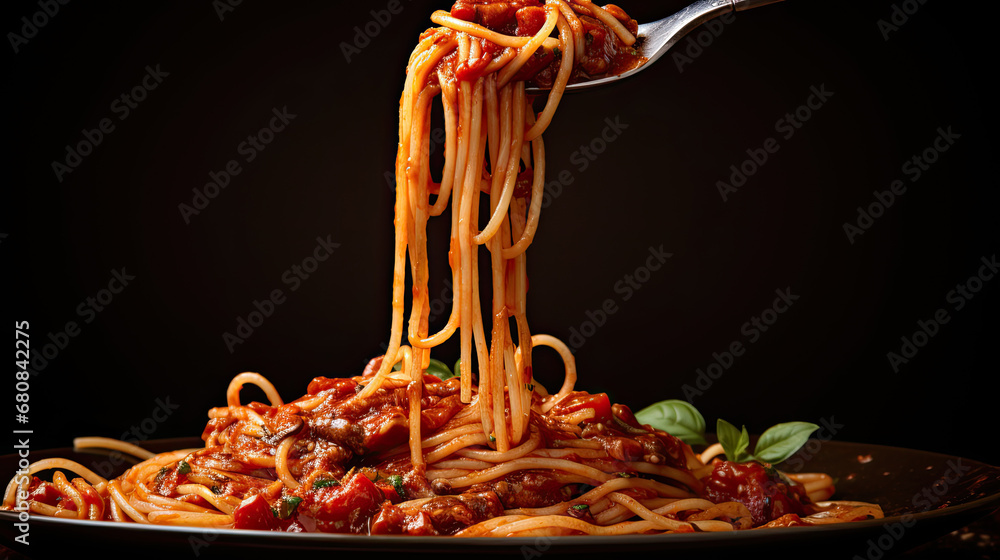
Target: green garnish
286,507
678,418
325,482
624,475
557,53
183,467
580,507
436,368
397,483
683,421
493,438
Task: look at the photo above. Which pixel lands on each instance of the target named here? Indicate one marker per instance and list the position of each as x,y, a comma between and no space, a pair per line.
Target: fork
655,38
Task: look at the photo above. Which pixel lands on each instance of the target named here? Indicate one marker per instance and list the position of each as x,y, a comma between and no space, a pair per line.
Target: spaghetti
398,451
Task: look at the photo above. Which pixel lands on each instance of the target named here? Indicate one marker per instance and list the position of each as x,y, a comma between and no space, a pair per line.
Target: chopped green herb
397,483
286,507
183,467
161,474
557,52
580,507
324,482
493,438
624,475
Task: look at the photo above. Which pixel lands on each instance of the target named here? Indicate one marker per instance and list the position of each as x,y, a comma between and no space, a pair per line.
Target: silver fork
655,38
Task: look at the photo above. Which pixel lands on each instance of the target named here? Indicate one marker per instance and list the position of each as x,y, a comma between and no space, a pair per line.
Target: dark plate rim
984,504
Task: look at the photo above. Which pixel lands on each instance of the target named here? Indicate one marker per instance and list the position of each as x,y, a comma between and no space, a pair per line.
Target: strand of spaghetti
483,527
113,444
402,212
462,463
96,501
190,519
569,362
551,521
501,60
537,190
519,410
442,17
450,434
177,505
660,521
596,494
458,443
738,514
581,453
531,463
532,443
448,100
512,103
9,496
63,485
281,464
253,378
528,50
710,452
559,84
51,511
114,489
577,26
501,327
219,502
679,475
470,174
611,21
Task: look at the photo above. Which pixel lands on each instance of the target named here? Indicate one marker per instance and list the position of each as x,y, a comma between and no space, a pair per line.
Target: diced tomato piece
346,508
255,513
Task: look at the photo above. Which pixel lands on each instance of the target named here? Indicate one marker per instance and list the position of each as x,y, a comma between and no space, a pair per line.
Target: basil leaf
676,417
286,507
440,370
734,442
325,482
436,368
183,467
781,441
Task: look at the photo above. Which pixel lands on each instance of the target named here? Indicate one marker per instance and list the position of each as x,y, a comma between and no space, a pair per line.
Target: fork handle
740,5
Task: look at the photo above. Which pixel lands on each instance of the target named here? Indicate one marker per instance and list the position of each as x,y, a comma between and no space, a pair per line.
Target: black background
655,185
